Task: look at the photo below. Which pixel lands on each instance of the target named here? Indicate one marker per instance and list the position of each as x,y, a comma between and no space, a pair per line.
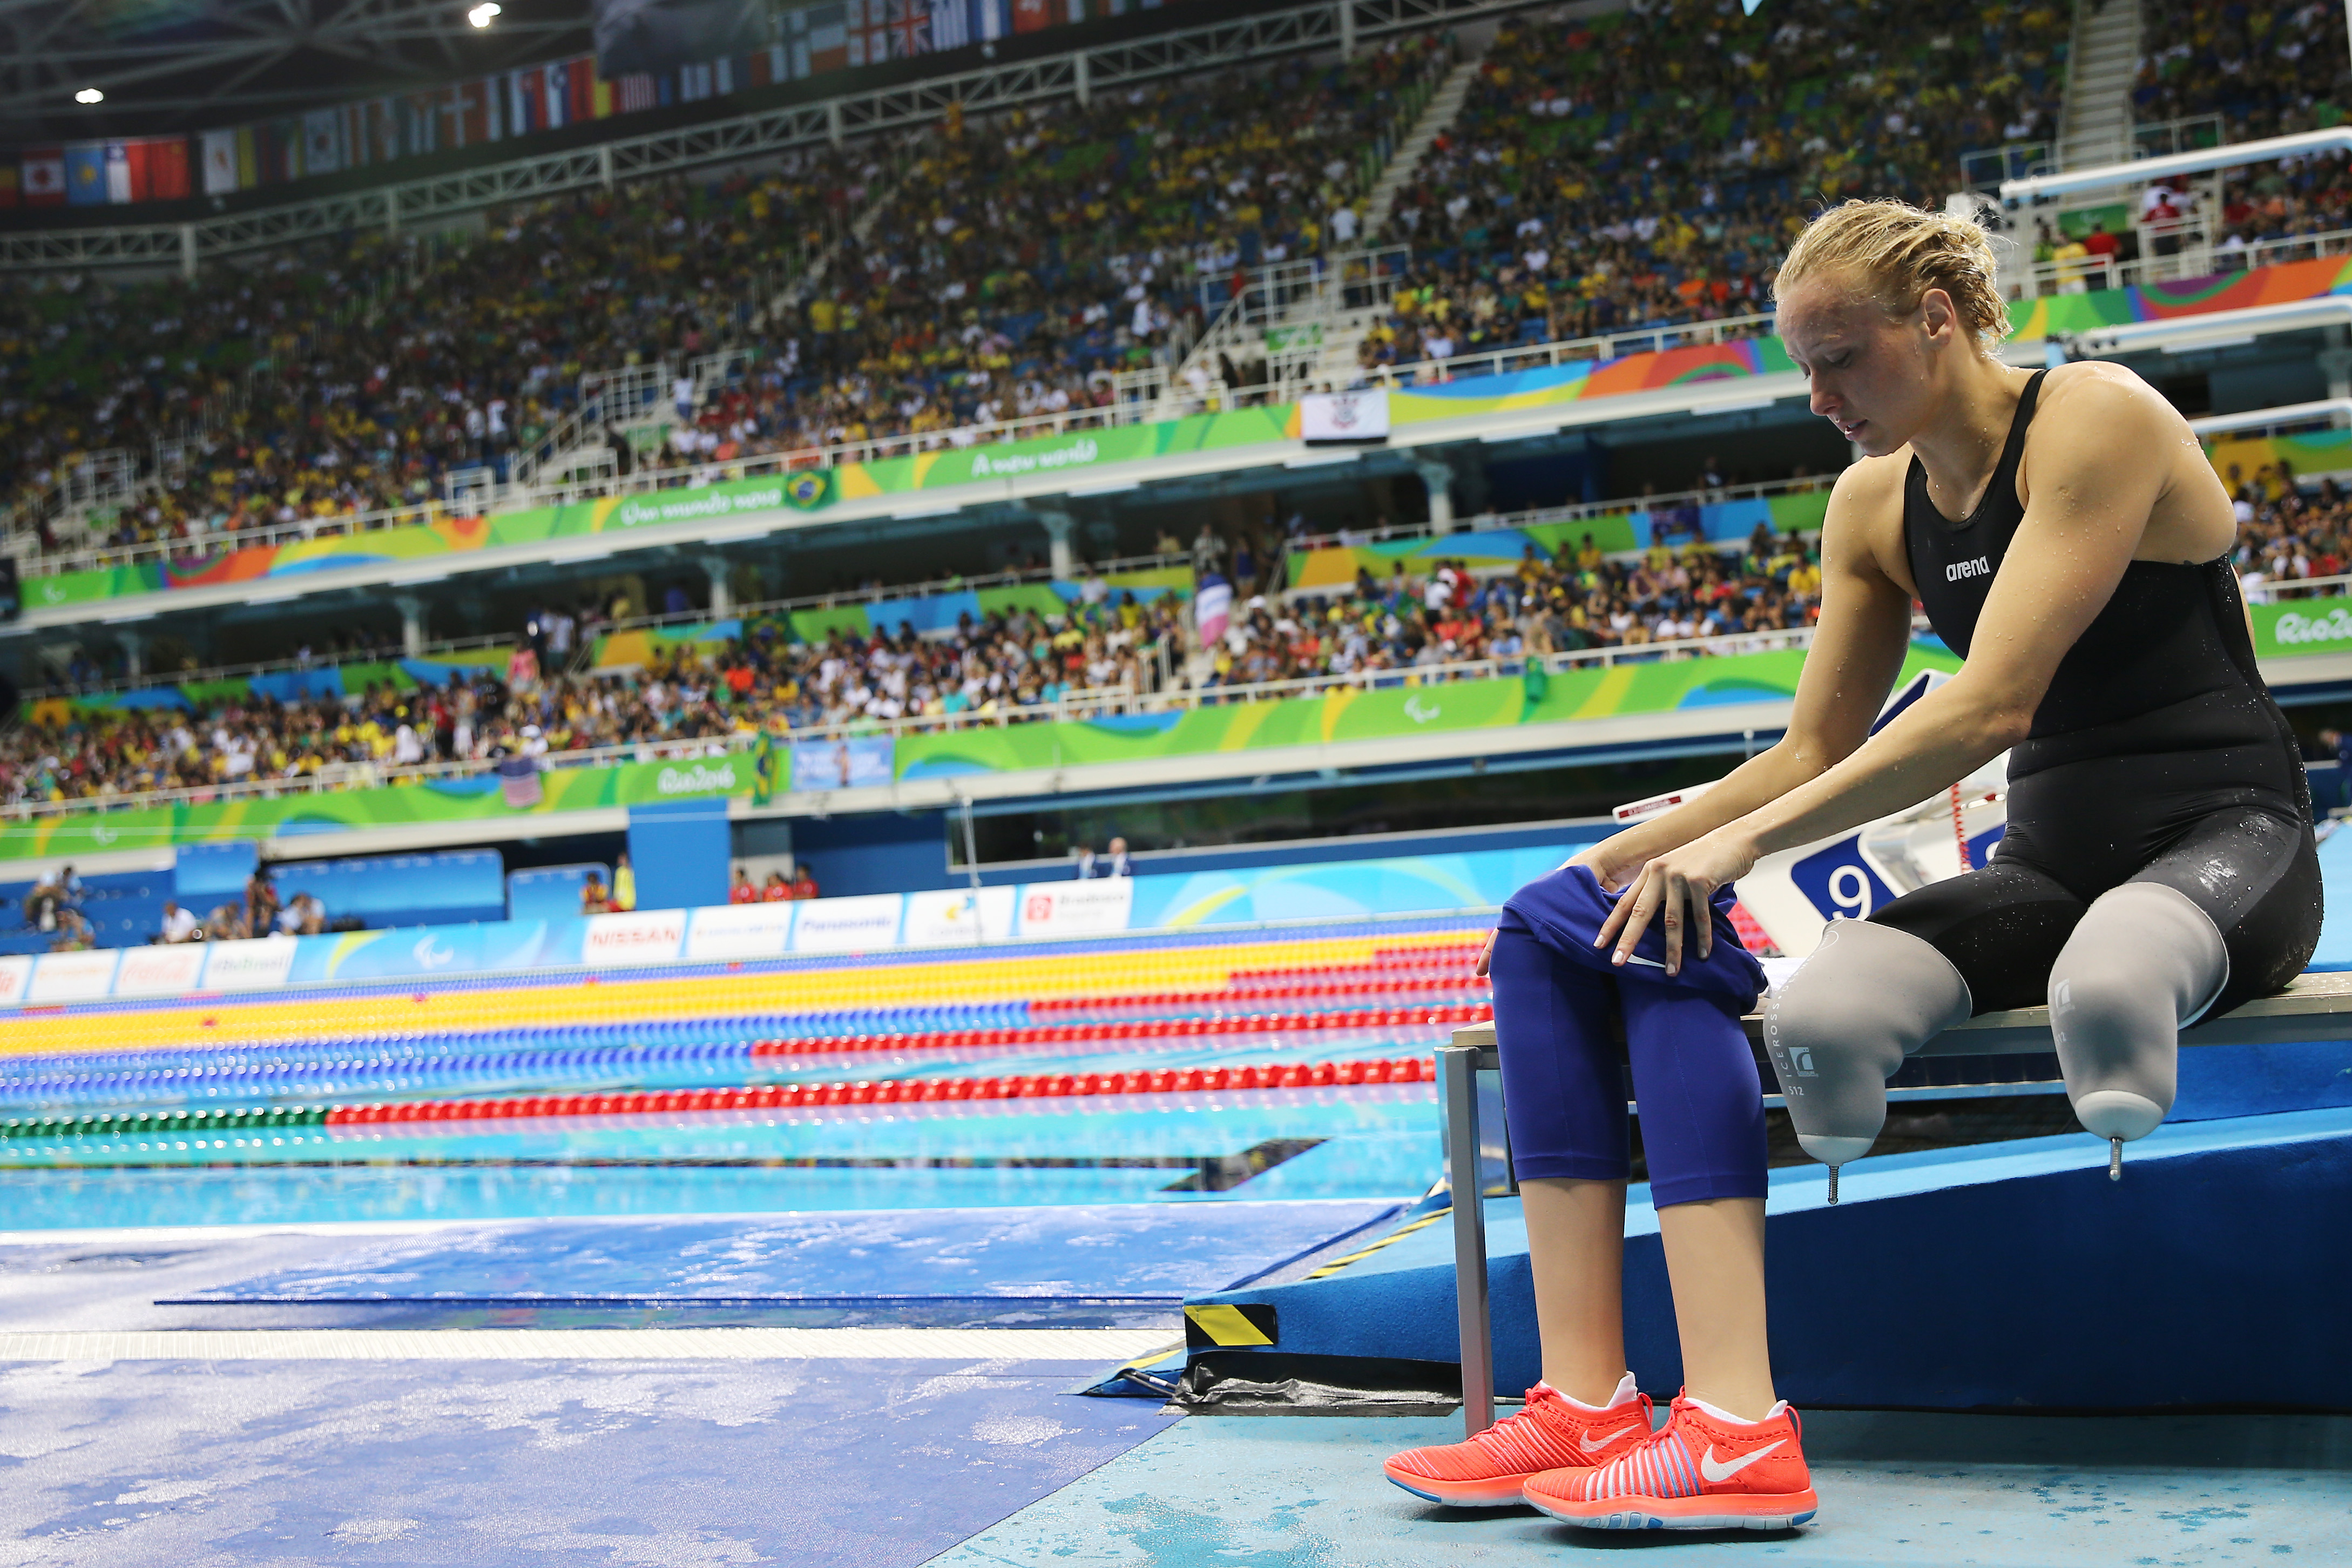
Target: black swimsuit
2157,756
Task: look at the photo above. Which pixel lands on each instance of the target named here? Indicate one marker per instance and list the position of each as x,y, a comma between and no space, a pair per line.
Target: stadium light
90,95
480,14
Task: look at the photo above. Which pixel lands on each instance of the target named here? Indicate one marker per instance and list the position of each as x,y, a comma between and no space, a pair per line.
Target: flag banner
649,36
950,24
828,39
167,169
705,49
44,176
473,114
322,141
86,174
555,96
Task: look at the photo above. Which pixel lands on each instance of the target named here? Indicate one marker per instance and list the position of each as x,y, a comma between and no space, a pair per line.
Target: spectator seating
697,688
2267,71
1604,171
1649,165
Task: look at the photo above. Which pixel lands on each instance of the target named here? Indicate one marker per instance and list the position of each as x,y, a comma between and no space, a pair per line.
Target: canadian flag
44,176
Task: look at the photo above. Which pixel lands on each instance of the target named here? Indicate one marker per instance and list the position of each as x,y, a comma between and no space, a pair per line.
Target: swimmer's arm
2093,489
1857,652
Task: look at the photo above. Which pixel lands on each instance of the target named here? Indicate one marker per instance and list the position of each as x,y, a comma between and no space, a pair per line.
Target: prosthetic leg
1840,1028
2144,963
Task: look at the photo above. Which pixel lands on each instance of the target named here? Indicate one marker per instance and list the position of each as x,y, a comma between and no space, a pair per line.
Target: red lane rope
1260,990
1129,1029
895,1091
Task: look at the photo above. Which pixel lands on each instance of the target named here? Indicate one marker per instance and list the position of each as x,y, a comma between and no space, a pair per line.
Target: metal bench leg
1457,1067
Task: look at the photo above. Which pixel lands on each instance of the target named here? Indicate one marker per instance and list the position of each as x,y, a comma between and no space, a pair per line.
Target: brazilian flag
808,488
767,769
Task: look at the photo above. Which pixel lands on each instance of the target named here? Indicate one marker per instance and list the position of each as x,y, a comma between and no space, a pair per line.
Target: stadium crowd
1009,267
2288,535
348,376
1110,650
1603,172
2266,71
1648,167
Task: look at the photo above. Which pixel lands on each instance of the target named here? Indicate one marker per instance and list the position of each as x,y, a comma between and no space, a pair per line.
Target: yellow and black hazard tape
1226,1325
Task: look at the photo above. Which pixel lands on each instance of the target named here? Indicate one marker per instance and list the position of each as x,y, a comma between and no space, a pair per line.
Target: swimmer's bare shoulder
2094,415
1861,533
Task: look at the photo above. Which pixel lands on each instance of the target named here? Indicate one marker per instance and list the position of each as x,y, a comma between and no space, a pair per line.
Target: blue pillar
680,852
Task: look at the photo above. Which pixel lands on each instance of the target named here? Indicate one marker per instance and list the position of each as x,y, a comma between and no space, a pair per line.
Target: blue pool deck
234,1428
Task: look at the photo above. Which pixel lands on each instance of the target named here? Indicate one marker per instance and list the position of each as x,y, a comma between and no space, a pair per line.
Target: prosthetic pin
1834,1171
2114,1162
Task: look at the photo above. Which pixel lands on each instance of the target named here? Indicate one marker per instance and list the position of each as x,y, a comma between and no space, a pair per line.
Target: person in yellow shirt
2071,258
1805,580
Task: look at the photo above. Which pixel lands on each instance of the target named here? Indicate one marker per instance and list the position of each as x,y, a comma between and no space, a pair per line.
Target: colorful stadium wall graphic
814,490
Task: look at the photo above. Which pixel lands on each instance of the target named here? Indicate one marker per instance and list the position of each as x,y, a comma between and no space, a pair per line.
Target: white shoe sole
1634,1518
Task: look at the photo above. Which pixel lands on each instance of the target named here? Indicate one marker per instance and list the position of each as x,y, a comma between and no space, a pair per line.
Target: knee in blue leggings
1694,1078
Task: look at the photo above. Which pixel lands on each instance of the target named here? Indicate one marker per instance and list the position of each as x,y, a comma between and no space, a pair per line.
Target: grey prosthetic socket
2143,962
1840,1026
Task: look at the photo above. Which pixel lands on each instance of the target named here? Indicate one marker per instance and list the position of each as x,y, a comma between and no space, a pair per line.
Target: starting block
2313,1007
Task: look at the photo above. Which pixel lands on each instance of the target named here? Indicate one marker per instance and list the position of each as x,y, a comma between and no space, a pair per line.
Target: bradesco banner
479,799
2303,625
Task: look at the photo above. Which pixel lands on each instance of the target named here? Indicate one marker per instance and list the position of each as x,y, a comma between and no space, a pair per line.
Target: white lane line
587,1344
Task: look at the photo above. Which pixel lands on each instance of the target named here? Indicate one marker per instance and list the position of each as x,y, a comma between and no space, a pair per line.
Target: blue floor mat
827,1464
1139,1249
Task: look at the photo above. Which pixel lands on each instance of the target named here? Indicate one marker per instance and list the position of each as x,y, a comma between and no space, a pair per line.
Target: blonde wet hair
1899,252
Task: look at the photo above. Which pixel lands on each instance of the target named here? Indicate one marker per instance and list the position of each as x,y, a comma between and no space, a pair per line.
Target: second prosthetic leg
1839,1027
2143,963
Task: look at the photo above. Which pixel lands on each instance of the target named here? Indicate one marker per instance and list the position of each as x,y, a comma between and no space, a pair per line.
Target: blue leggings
1694,1078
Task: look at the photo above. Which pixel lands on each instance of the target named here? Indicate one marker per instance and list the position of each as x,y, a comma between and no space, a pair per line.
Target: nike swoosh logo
1714,1470
1590,1447
1637,958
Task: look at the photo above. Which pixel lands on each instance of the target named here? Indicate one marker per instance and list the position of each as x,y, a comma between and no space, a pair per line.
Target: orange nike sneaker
1490,1469
1701,1471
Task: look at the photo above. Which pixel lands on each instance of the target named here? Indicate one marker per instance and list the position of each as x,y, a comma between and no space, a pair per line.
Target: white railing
2285,590
2198,255
1078,705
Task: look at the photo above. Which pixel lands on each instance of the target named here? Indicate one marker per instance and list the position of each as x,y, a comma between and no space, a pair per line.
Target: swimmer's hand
1674,888
1605,870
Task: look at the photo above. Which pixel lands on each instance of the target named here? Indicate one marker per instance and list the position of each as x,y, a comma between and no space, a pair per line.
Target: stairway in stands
2105,60
1344,332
